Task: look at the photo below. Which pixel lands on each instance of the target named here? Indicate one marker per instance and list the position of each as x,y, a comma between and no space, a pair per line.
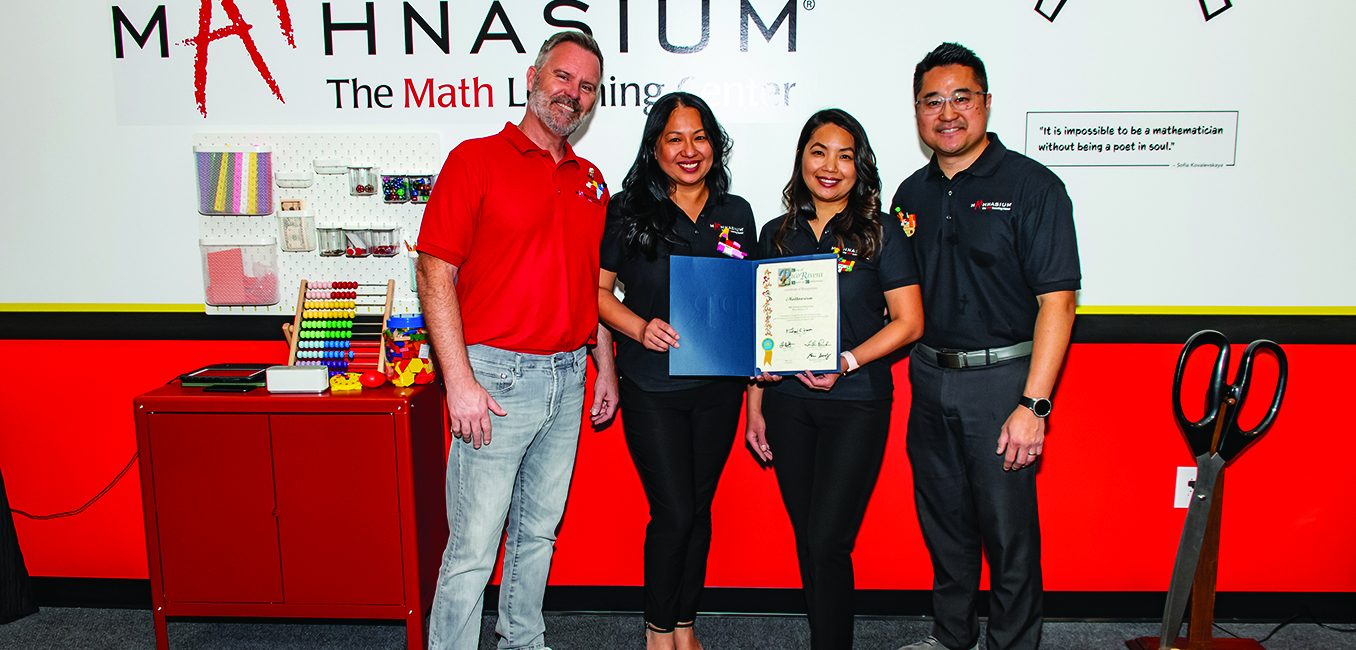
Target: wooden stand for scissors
1201,625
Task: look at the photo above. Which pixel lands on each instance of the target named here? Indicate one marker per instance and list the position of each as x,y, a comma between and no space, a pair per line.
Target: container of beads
357,242
385,240
409,358
421,186
395,188
362,180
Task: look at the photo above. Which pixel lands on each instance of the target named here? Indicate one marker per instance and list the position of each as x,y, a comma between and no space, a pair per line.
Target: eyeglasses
962,101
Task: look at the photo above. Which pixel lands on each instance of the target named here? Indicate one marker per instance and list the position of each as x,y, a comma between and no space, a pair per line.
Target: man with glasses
993,234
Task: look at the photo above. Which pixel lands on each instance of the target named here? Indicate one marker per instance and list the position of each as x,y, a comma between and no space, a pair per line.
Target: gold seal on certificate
743,317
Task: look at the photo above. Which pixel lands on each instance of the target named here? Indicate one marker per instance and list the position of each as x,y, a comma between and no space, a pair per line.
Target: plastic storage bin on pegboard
240,272
235,180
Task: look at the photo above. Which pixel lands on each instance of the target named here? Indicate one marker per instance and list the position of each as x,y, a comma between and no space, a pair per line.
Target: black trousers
827,455
967,504
679,442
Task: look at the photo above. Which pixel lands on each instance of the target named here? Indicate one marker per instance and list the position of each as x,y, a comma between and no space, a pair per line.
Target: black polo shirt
988,241
646,282
861,299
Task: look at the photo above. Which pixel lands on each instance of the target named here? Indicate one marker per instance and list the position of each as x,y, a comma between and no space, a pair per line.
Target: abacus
339,324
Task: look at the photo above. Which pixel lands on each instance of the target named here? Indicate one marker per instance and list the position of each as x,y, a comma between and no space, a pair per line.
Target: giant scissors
1216,439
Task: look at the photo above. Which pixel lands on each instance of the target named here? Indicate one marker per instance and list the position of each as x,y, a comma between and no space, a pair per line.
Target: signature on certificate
817,343
818,356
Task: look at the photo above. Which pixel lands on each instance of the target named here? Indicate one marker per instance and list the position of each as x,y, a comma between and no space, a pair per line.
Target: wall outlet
1181,495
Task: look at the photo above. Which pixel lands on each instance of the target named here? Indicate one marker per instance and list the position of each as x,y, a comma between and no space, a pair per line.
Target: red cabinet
293,505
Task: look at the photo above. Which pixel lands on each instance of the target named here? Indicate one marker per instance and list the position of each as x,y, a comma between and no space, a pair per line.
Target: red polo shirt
523,231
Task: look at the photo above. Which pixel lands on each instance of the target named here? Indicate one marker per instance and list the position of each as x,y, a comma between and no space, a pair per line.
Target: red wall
1106,482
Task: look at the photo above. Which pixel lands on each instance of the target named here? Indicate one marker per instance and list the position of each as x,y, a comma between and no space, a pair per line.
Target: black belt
955,359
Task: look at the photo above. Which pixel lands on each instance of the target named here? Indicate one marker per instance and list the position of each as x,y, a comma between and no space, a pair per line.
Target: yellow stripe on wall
98,307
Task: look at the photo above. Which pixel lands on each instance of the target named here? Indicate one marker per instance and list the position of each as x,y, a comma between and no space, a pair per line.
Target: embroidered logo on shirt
992,205
726,231
907,221
847,259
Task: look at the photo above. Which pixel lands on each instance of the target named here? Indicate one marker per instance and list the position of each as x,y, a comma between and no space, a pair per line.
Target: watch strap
851,360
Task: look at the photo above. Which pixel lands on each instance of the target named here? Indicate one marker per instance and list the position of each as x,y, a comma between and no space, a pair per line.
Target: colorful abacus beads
320,294
335,365
338,344
346,355
326,328
326,284
349,305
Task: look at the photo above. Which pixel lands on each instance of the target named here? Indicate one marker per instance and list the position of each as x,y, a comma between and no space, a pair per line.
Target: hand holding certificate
742,318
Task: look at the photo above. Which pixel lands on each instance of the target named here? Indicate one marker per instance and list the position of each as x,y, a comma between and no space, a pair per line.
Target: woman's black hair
645,220
858,225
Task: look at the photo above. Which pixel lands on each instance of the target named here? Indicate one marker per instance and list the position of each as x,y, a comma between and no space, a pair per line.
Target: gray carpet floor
131,629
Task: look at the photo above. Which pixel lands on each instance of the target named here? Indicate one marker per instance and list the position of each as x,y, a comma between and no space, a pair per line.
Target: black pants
967,504
827,455
679,442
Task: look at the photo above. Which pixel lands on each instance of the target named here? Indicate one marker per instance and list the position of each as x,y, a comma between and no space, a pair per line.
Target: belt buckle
951,360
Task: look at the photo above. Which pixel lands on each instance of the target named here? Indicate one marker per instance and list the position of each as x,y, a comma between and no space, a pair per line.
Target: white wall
101,203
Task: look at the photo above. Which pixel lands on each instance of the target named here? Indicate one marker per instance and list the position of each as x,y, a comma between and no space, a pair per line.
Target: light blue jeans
524,475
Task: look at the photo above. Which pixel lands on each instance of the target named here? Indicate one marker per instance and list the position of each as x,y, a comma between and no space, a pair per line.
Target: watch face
1040,406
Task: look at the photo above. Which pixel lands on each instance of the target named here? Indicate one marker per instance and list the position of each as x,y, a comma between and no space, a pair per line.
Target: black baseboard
1328,607
109,593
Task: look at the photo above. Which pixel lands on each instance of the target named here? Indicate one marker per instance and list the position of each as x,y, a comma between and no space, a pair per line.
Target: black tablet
226,374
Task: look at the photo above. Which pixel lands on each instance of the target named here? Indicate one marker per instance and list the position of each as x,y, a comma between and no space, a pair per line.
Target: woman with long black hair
679,430
828,430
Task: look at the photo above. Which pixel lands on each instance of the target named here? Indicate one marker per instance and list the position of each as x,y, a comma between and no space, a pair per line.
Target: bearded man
508,272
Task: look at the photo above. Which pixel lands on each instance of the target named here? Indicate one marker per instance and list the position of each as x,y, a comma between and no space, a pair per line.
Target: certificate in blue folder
738,318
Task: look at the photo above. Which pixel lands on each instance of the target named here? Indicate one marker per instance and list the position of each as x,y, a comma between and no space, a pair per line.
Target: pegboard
330,204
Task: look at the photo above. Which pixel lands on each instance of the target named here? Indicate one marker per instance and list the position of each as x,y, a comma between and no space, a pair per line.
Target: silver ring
1031,453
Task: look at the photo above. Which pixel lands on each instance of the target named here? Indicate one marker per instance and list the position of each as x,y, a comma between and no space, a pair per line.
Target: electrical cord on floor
72,513
1304,614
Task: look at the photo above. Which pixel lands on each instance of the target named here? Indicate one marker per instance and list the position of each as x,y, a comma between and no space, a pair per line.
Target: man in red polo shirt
508,276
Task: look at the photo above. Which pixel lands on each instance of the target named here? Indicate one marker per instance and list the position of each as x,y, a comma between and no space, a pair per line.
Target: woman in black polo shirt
674,201
828,430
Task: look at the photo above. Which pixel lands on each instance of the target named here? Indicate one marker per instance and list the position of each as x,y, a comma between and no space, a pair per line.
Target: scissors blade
1208,467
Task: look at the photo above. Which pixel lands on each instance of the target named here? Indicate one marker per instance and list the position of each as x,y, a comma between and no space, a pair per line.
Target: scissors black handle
1198,432
1236,439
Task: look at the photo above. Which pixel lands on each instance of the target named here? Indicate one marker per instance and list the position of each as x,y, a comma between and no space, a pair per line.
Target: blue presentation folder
711,305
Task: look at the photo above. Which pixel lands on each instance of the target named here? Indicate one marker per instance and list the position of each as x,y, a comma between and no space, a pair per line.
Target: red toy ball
372,379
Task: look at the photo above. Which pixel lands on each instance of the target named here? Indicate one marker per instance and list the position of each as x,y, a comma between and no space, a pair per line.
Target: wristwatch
1040,406
851,361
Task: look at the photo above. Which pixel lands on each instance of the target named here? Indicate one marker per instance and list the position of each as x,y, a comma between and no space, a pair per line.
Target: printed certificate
797,316
743,317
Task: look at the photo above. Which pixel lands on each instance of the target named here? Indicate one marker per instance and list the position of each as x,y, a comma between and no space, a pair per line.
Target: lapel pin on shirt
907,221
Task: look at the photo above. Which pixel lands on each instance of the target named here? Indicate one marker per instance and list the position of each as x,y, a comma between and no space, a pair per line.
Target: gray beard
540,105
